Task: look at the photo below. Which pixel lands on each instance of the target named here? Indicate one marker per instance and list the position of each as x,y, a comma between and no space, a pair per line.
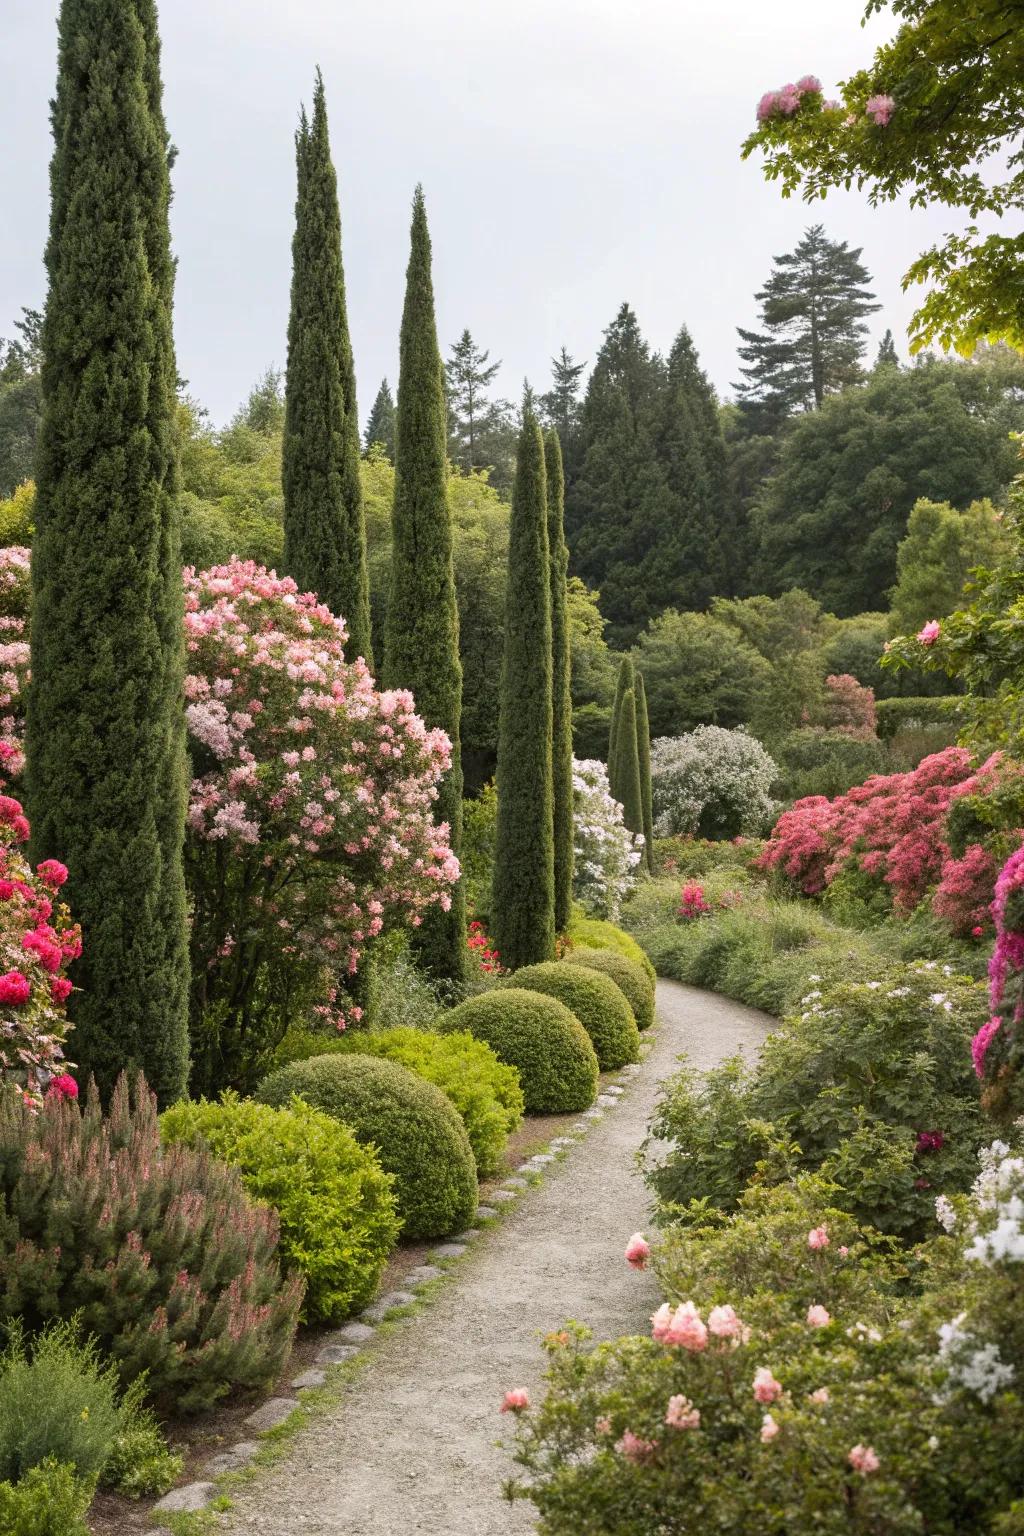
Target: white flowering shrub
712,783
607,853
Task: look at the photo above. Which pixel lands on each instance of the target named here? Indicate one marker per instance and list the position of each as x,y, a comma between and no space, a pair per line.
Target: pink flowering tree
310,818
848,707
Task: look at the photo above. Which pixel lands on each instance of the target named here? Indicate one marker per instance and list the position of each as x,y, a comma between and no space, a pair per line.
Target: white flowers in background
712,783
945,1215
999,1197
976,1367
607,853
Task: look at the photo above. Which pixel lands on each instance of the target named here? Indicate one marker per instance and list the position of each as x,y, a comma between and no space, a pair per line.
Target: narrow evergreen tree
561,404
421,640
887,354
643,742
561,694
324,525
625,681
627,765
107,777
523,905
381,426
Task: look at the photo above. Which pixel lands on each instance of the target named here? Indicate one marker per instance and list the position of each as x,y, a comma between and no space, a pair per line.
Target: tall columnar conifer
421,643
627,765
643,742
625,681
523,905
107,779
324,525
561,679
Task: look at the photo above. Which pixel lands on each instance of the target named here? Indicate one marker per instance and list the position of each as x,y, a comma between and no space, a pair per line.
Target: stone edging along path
408,1441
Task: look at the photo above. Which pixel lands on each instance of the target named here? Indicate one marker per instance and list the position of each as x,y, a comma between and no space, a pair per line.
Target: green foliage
17,516
20,404
101,1222
941,548
846,1086
813,310
624,772
698,671
895,715
597,933
324,530
630,978
523,898
421,648
624,682
561,686
832,516
954,77
49,1501
479,836
105,730
417,1133
541,1038
601,1007
335,1206
380,429
643,742
395,991
481,433
816,762
483,1089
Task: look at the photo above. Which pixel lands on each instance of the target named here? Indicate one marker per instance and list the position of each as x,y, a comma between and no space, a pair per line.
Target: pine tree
813,310
643,742
561,694
324,525
421,641
560,405
380,428
691,448
887,354
107,777
627,765
626,680
523,904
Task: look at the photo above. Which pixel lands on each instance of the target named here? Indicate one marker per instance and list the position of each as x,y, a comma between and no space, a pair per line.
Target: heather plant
711,783
870,1082
334,1202
607,854
172,1269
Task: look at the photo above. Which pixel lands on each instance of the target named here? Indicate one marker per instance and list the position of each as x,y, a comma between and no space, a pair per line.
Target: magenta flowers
786,100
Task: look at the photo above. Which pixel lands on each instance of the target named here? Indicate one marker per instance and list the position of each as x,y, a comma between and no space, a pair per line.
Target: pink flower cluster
891,827
849,707
638,1251
308,777
692,903
682,1327
786,100
1005,971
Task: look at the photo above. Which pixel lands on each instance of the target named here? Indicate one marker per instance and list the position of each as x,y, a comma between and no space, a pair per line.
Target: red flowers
52,873
63,1086
692,903
480,946
15,988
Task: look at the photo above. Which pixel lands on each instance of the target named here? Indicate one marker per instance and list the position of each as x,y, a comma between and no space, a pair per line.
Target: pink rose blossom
818,1238
637,1251
766,1388
516,1401
769,1429
930,632
63,1086
863,1460
724,1324
681,1414
686,1329
821,1396
818,1317
635,1449
15,988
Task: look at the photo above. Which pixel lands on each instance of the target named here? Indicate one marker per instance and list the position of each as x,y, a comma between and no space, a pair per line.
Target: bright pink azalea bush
998,1047
310,817
892,830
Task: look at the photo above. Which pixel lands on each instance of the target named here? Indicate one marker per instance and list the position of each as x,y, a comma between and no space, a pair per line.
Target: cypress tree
561,694
625,681
324,525
643,742
107,780
627,765
421,641
523,905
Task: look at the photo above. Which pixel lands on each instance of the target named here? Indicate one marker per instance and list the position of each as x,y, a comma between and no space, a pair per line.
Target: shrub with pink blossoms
310,818
998,1047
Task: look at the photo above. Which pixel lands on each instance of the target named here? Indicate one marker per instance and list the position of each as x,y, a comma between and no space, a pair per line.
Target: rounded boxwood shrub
598,1004
630,978
335,1203
418,1135
539,1036
484,1090
596,933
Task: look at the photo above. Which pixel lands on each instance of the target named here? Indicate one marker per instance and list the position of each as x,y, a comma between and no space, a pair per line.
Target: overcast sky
574,153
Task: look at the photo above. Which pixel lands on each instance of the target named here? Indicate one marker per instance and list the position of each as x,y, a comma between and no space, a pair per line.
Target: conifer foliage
561,695
523,904
324,526
626,680
421,645
380,428
105,730
626,777
643,743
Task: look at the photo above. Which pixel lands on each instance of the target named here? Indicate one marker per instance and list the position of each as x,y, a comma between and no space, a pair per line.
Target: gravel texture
412,1447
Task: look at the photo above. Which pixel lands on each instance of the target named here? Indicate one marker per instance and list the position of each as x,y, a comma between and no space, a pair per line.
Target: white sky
574,153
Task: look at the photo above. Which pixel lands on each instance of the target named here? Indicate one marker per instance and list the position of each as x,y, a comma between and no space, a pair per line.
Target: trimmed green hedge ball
596,1001
630,978
541,1037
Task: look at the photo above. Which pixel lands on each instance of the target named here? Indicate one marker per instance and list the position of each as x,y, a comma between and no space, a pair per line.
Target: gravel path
412,1446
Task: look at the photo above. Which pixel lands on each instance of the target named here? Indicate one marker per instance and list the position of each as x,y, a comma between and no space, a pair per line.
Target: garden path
412,1447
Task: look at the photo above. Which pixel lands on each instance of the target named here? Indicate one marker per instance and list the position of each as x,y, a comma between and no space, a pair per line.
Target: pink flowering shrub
848,707
831,1399
892,830
310,817
998,1046
15,591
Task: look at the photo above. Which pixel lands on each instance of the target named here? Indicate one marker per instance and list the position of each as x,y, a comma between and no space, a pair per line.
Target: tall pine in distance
523,897
324,525
107,781
481,431
380,428
561,692
813,312
692,449
421,641
560,405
